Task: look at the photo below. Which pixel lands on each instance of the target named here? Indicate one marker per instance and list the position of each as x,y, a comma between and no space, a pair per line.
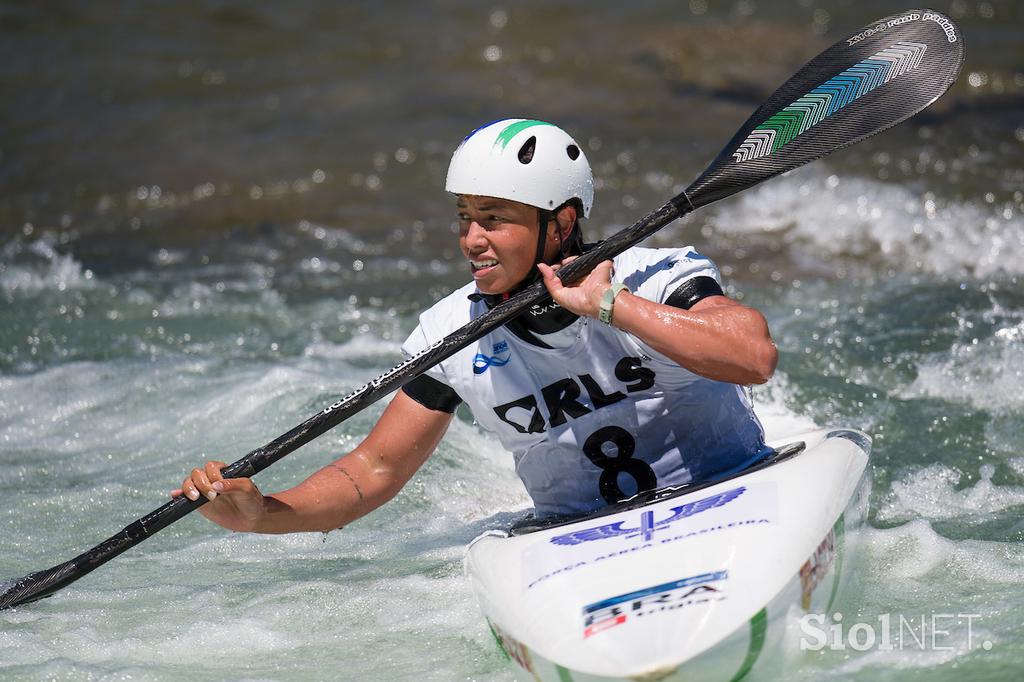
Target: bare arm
717,338
352,486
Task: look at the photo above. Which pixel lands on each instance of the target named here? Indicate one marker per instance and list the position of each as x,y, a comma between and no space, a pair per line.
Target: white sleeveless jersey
592,420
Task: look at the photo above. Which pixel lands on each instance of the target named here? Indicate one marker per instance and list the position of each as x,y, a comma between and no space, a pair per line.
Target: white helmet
532,162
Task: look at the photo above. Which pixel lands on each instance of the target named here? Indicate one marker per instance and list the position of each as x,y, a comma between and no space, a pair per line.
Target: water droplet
499,18
492,53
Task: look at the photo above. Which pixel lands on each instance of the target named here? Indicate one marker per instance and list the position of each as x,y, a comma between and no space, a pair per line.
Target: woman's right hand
234,503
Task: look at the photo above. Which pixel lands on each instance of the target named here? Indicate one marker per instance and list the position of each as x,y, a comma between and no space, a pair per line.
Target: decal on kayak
647,523
697,589
513,649
816,568
643,530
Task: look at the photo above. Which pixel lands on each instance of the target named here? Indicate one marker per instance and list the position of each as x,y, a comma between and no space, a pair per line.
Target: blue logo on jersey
481,362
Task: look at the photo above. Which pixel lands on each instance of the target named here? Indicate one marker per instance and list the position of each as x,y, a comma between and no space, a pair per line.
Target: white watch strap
608,301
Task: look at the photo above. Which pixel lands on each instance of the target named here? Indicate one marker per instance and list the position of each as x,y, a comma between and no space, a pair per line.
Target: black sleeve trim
693,290
432,394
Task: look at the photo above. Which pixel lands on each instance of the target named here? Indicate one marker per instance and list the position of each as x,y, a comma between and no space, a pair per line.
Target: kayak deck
693,581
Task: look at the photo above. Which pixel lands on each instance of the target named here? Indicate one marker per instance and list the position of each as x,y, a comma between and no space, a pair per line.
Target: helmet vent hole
527,150
573,151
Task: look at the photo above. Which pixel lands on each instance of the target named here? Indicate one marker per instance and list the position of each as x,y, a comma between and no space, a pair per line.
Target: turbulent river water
216,217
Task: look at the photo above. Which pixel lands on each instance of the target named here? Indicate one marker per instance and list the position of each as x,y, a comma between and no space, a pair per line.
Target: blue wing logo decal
648,525
597,533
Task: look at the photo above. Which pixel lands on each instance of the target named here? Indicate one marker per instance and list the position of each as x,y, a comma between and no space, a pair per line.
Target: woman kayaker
629,380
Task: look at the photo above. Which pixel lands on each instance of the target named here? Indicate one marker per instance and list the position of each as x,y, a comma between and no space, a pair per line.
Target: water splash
932,493
30,268
984,373
891,225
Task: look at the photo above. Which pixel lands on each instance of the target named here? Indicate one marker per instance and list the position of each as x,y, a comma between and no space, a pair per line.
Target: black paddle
871,81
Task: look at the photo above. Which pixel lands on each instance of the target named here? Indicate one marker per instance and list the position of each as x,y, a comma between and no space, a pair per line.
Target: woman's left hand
584,297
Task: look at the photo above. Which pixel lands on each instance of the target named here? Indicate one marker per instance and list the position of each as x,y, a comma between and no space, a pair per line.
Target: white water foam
903,577
51,271
362,347
984,373
828,217
390,583
780,421
932,493
914,554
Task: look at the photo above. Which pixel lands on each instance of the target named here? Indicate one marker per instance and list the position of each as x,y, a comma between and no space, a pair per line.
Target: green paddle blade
876,78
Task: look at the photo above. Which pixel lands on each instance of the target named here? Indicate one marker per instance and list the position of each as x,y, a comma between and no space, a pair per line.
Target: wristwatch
608,301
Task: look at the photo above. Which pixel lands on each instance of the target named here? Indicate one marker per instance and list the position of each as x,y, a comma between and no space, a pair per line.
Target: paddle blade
876,78
30,588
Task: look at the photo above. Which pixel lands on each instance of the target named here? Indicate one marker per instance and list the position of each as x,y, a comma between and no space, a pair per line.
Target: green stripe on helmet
510,131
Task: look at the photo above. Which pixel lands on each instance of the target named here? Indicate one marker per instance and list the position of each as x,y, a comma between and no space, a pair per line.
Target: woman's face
499,239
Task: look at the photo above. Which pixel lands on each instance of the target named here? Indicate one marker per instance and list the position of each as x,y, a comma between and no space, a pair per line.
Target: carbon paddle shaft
876,78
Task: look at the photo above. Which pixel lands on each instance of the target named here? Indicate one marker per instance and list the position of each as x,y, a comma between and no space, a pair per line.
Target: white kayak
694,583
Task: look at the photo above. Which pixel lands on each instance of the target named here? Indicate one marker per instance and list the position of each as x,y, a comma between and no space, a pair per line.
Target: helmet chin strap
544,217
565,247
